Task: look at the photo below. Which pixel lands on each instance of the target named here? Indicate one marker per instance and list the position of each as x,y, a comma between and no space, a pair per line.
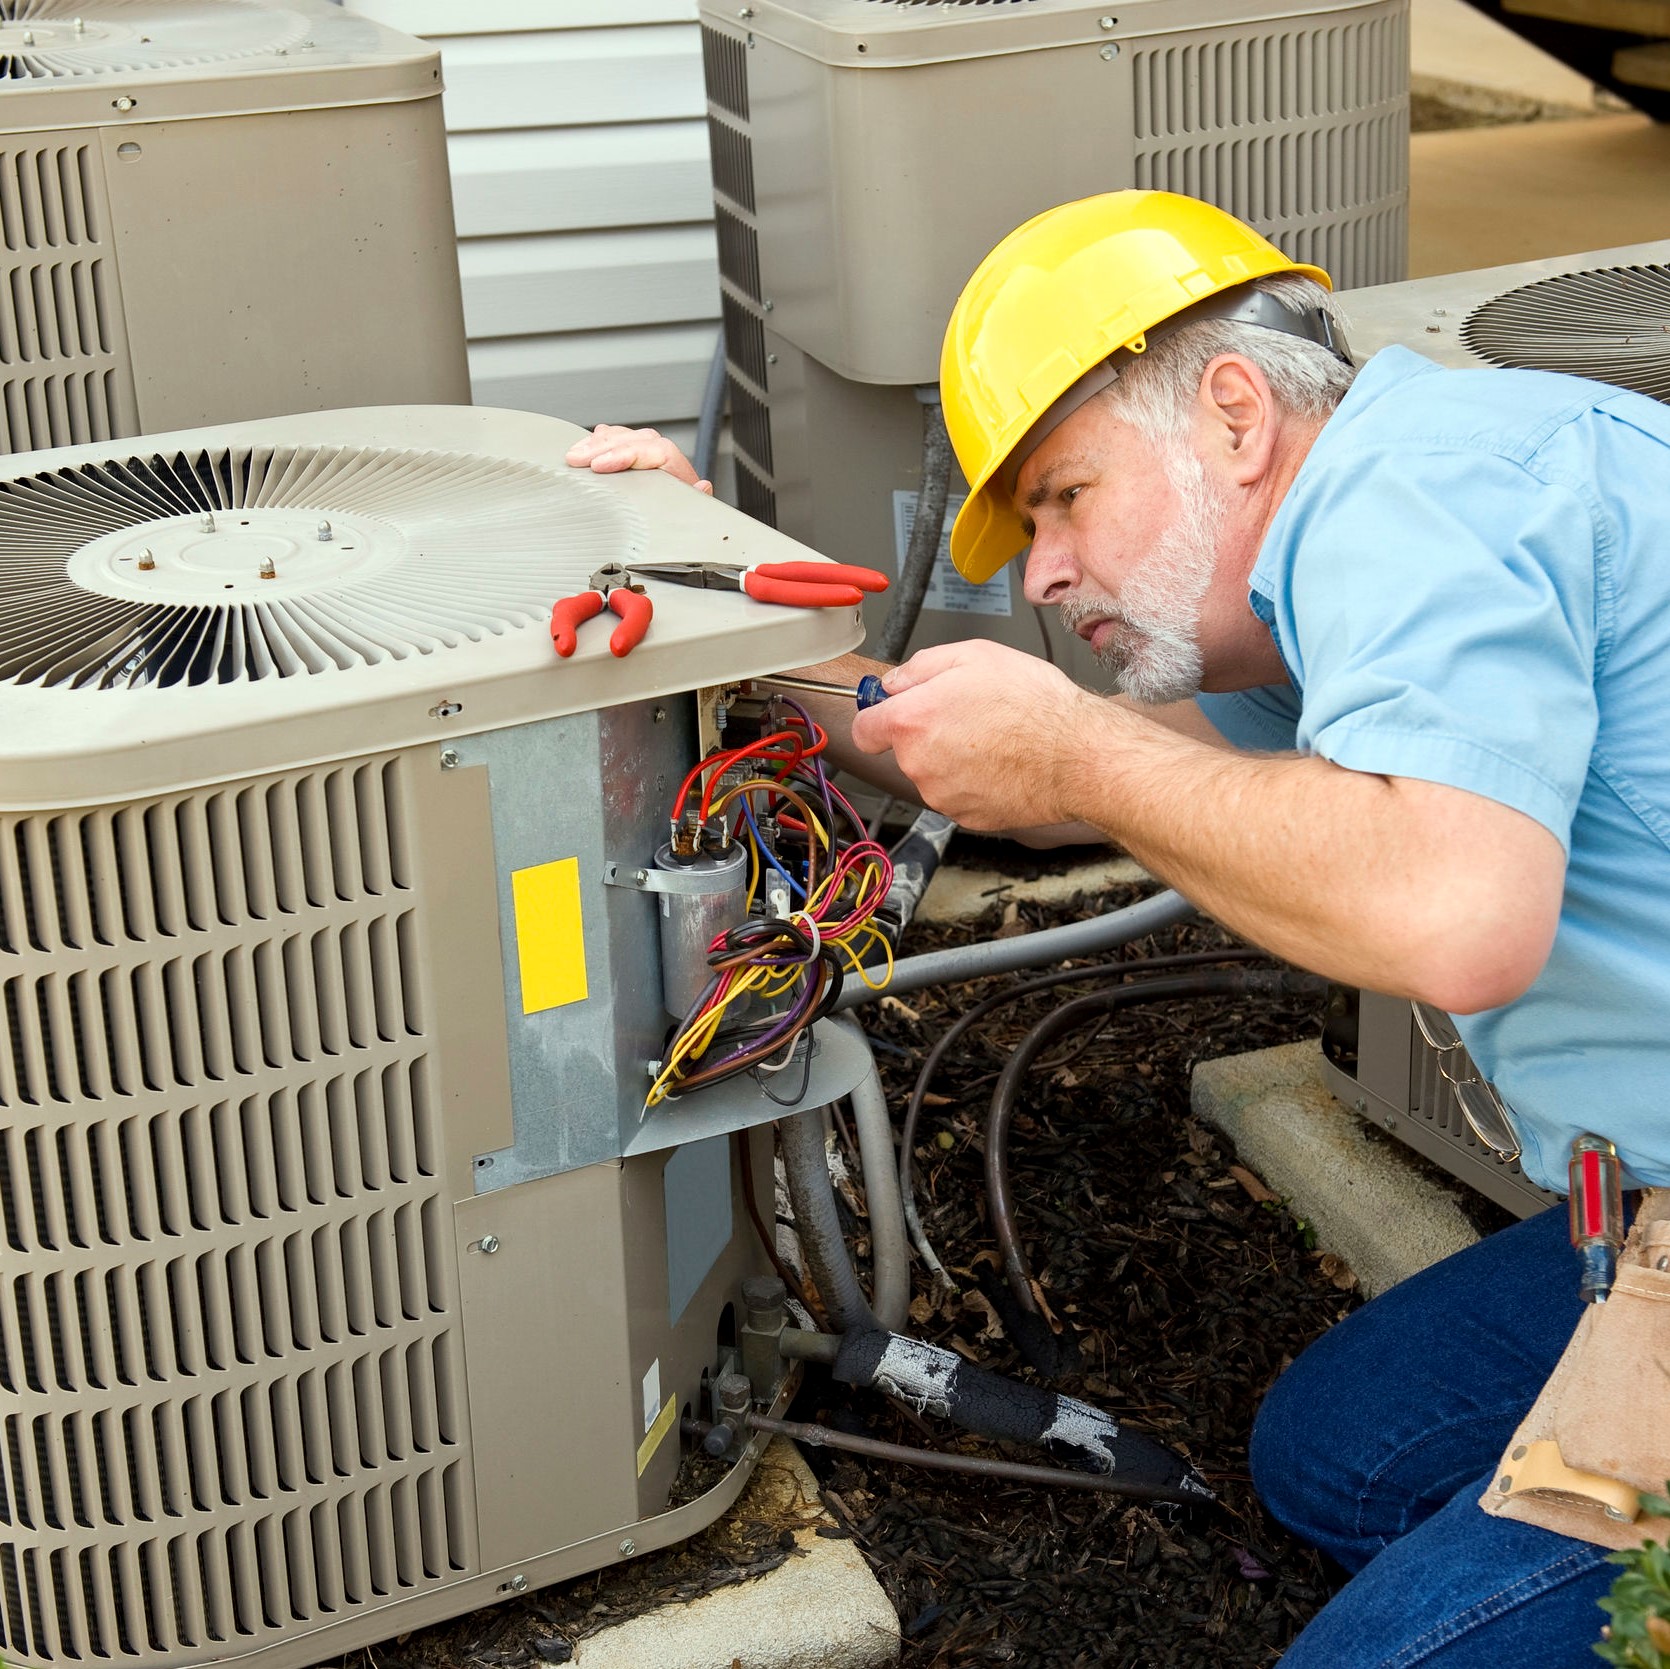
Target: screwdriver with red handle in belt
1595,1181
620,587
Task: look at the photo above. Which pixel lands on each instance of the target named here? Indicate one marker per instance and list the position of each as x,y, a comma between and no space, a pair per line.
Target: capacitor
700,897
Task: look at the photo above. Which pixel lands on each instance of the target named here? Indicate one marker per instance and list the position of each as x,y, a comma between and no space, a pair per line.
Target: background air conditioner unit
868,153
1602,314
218,209
344,1286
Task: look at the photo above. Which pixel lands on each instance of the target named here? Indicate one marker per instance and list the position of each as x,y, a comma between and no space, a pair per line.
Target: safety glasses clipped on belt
1485,1111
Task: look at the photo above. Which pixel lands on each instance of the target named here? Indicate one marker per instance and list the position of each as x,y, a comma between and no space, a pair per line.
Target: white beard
1152,644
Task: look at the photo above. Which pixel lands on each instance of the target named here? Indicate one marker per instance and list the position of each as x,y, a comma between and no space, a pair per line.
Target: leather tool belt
1598,1436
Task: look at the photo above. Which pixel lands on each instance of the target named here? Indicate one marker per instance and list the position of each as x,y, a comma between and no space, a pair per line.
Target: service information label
947,589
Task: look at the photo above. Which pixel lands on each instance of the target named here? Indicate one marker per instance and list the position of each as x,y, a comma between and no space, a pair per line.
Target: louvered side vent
231,1398
1432,1102
64,375
1302,132
731,152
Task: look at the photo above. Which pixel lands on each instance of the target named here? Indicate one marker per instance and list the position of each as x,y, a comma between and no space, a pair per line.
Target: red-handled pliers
794,584
613,585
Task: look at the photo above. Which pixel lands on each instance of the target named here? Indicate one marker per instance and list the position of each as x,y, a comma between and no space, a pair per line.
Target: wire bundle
775,974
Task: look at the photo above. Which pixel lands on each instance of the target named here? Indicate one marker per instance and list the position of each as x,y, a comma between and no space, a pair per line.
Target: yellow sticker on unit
550,935
663,1425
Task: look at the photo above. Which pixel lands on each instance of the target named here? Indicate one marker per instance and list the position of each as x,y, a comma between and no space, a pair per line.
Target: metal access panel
211,212
841,469
1391,1078
868,153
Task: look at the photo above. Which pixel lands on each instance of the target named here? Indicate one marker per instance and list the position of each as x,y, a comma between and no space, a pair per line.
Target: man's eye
1068,494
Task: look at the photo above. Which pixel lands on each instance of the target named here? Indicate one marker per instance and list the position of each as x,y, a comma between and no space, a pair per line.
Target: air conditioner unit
1375,1060
1603,313
218,209
868,153
344,1283
1599,314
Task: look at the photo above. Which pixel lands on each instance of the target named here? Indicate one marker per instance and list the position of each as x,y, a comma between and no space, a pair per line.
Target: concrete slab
1368,1203
961,894
1482,197
823,1609
1451,44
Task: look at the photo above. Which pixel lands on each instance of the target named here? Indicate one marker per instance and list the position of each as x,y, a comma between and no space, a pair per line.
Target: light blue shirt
1469,583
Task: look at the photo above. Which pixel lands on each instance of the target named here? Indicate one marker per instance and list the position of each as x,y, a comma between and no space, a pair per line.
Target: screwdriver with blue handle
867,693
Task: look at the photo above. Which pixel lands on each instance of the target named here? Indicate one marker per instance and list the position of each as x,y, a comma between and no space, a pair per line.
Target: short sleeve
1262,721
1440,618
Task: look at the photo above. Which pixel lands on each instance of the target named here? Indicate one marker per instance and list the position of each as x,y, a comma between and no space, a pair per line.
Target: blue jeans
1377,1443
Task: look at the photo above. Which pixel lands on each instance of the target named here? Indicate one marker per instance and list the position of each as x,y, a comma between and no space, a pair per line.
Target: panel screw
146,562
1361,1103
125,102
80,26
207,524
1110,52
768,305
1106,22
629,1547
489,1244
518,1584
746,13
28,37
771,359
1391,1122
641,877
660,715
449,759
268,570
324,533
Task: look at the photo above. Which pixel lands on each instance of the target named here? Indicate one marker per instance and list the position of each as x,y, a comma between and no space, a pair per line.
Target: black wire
761,1079
1094,1008
1026,988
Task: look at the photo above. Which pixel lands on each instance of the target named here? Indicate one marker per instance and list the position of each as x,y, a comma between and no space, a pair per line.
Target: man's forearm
1401,886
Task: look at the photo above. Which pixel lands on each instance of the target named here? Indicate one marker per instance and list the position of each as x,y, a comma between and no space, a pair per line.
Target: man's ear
1236,412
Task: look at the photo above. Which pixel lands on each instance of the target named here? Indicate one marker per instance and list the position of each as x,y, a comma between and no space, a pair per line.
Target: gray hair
1155,391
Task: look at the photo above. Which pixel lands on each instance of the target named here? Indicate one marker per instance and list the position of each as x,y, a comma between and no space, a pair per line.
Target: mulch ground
1188,1289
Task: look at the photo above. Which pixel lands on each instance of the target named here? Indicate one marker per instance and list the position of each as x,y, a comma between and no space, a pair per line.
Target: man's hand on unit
610,448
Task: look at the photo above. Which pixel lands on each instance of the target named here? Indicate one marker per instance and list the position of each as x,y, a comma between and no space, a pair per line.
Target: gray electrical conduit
815,1219
708,419
889,1245
1027,950
926,531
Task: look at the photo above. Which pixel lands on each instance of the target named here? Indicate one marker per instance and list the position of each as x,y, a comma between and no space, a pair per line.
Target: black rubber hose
1026,988
933,1380
925,534
819,1225
1235,982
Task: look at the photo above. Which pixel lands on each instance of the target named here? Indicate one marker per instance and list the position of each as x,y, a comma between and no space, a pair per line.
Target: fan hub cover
255,553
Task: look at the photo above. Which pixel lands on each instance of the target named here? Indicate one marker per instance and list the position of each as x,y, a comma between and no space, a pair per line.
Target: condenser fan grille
1611,323
223,566
48,39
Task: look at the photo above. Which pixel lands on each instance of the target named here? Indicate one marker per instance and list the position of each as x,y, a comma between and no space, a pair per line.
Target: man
1430,611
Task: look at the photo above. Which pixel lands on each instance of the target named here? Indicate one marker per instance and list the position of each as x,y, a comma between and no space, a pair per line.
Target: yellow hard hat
1049,308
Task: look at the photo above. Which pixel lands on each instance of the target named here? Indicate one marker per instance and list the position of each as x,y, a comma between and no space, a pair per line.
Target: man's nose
1049,570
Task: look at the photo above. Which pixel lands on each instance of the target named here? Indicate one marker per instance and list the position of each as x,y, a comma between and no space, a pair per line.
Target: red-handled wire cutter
613,585
794,584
